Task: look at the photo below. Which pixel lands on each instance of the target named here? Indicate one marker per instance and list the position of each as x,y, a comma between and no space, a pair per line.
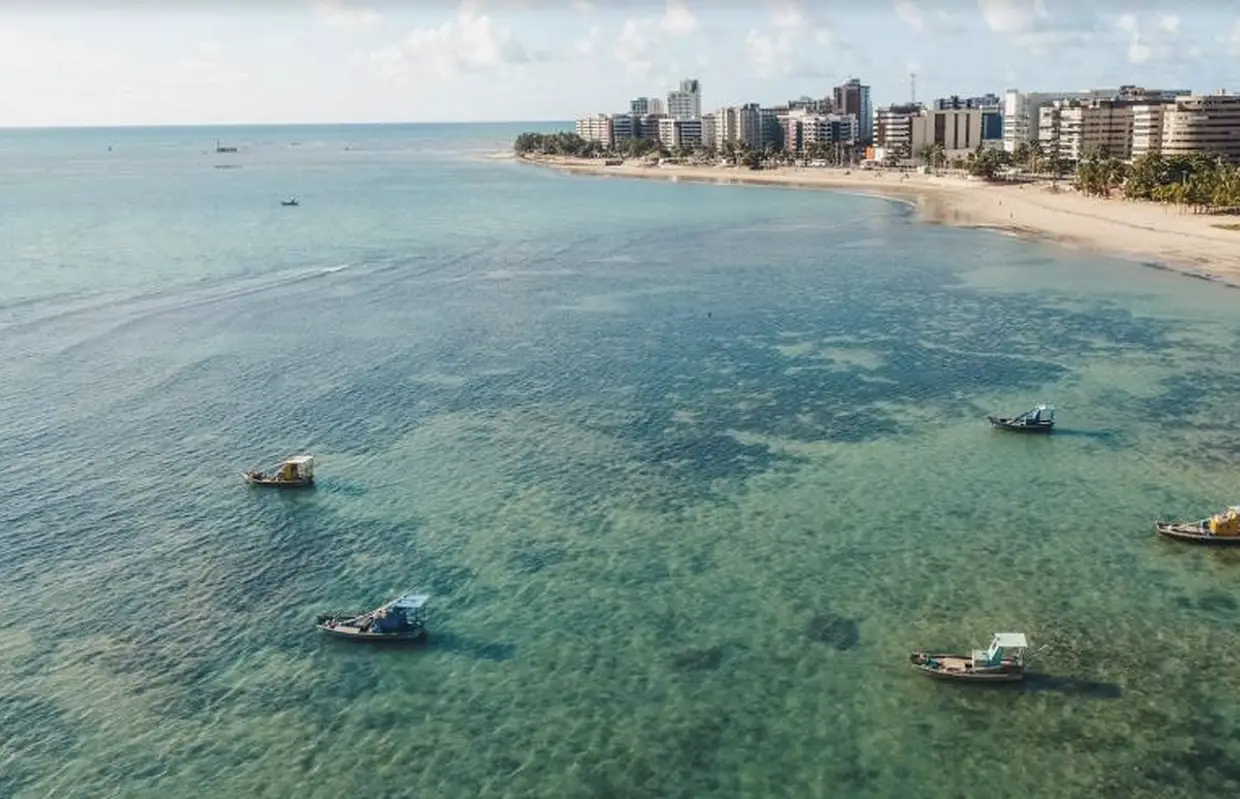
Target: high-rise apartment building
685,102
958,131
803,128
597,127
642,106
1022,111
893,130
854,98
740,124
1206,124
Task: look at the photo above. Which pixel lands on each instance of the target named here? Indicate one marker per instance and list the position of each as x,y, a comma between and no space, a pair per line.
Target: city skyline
526,60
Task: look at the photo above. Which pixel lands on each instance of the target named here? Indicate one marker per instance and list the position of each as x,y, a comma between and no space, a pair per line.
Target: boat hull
355,634
1007,671
277,483
1001,423
1193,533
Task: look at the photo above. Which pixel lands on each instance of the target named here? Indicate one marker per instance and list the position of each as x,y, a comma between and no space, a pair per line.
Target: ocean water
688,469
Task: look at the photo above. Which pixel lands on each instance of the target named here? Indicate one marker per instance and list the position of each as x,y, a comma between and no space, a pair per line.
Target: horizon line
165,125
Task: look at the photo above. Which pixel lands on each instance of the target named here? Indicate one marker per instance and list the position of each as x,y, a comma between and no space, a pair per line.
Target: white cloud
778,51
26,52
633,45
910,14
470,43
1012,16
770,55
585,46
641,37
1144,47
344,15
678,20
1138,51
785,14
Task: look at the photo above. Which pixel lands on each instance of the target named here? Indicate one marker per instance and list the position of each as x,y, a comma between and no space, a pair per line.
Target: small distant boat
295,472
291,201
402,619
220,148
1039,419
1223,529
1004,661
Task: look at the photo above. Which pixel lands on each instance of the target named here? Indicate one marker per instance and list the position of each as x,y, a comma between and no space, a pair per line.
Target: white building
710,131
683,133
1147,128
740,124
804,128
685,102
1091,129
893,131
1022,111
1203,124
957,130
596,128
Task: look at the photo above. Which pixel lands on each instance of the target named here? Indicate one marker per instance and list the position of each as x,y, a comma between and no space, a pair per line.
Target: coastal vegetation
1199,182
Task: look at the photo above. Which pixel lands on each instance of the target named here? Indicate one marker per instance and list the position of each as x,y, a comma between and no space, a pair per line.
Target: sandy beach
1149,232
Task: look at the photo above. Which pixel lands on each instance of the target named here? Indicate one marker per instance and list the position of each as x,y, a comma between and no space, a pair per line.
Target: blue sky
147,62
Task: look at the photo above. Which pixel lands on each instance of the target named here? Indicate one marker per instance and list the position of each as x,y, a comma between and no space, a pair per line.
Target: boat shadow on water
474,648
1110,437
1069,686
1034,683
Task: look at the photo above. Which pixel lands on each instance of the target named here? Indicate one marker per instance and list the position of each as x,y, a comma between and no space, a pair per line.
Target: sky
127,62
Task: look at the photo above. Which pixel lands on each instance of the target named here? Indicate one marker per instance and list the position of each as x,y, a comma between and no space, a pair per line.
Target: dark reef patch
707,659
837,631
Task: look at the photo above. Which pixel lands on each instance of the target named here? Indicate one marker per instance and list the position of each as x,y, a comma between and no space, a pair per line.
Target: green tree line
738,153
1198,181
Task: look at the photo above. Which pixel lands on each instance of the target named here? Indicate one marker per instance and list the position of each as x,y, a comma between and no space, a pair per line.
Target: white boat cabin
413,605
1044,412
298,467
1002,645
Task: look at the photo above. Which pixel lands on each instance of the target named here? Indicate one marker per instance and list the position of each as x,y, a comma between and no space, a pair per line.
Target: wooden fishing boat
1004,661
1039,419
295,472
402,619
290,202
1221,529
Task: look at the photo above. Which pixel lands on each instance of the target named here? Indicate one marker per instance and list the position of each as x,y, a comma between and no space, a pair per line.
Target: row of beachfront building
1120,123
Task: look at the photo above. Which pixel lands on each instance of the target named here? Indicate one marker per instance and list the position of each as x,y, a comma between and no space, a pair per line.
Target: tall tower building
854,98
685,102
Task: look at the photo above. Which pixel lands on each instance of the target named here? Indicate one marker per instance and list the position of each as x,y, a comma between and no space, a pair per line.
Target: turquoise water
688,469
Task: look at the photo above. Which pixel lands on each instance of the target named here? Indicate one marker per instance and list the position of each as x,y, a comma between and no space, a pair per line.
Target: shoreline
1152,234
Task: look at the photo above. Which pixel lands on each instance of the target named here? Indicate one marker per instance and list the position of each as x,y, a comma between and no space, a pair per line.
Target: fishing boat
295,472
1039,419
1004,661
291,202
402,619
1223,528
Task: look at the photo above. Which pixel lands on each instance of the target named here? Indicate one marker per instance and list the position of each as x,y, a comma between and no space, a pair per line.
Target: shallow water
688,469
